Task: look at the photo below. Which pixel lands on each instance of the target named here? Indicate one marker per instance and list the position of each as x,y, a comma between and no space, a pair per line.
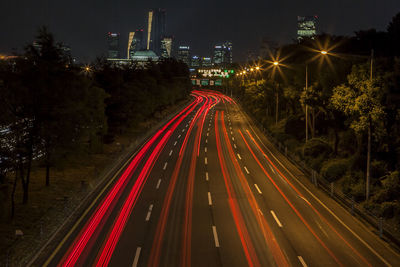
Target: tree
394,34
361,99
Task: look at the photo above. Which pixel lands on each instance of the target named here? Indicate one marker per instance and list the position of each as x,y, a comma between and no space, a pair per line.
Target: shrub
334,169
295,127
316,147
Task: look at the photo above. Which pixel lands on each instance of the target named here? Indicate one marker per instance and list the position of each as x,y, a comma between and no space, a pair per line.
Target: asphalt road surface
208,189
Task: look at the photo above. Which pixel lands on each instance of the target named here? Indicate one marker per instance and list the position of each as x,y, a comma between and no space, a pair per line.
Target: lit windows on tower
113,45
306,27
184,54
166,46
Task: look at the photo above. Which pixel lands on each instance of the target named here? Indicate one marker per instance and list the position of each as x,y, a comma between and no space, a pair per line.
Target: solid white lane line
239,156
302,261
209,199
149,212
179,136
136,259
206,176
215,236
205,160
165,165
170,153
246,170
258,189
276,218
205,149
158,183
175,143
234,145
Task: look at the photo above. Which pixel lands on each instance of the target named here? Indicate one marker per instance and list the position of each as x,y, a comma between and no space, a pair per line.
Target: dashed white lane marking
149,212
179,136
207,134
246,170
215,236
233,138
205,160
302,261
175,143
231,132
206,141
170,153
165,165
206,176
276,218
187,125
239,156
230,127
258,189
205,149
209,199
183,130
234,145
208,129
136,259
158,183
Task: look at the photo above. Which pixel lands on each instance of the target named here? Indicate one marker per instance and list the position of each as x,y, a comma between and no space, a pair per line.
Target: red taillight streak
264,226
244,236
159,235
299,193
79,244
127,208
291,205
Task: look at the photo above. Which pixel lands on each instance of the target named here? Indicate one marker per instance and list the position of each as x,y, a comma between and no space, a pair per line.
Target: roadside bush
315,152
334,169
295,127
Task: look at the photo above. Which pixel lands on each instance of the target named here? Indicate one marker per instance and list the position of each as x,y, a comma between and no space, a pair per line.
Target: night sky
83,24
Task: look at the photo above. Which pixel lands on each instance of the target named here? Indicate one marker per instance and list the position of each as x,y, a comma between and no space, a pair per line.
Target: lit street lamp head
324,52
276,63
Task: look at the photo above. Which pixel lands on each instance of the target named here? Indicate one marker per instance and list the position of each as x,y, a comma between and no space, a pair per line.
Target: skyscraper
228,52
156,28
136,42
166,46
223,54
218,54
306,26
184,54
195,62
113,45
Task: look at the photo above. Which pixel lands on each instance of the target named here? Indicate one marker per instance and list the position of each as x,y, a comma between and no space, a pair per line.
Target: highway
208,189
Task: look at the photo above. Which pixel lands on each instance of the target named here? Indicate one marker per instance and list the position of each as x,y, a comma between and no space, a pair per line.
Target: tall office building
184,54
223,54
166,46
206,62
136,42
113,45
228,52
306,27
156,28
195,62
219,52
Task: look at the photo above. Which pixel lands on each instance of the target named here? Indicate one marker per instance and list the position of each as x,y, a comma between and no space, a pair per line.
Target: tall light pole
276,64
306,107
368,178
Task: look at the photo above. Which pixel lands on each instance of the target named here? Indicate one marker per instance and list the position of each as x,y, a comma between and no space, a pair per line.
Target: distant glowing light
276,63
257,68
324,52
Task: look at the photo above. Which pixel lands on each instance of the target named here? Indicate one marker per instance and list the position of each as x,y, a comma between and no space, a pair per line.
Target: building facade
184,54
195,62
113,45
306,27
156,29
136,42
166,47
223,54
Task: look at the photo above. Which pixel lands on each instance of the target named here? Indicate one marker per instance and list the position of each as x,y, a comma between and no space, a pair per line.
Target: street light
276,63
257,68
324,52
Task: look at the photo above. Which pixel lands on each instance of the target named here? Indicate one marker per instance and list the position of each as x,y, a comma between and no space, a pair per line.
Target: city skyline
85,34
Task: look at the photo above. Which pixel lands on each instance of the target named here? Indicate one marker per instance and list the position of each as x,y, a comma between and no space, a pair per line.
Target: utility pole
369,136
306,104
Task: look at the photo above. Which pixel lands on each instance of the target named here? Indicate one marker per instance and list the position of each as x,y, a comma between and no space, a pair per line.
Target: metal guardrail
383,229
